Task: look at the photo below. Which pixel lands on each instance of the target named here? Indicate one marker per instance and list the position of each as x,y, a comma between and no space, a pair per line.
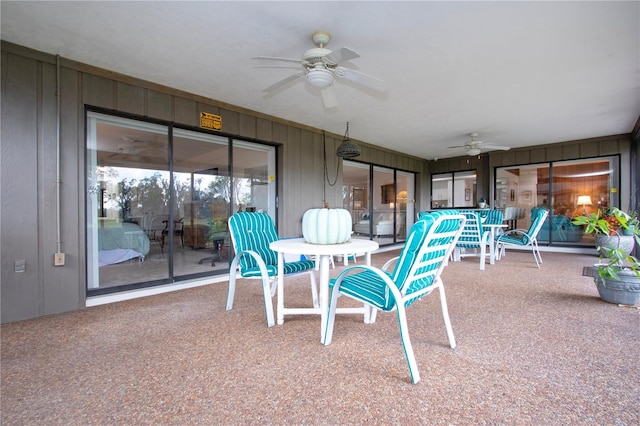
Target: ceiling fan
475,147
134,148
321,66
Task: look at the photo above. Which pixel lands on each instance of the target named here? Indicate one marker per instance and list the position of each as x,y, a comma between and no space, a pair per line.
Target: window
566,188
456,189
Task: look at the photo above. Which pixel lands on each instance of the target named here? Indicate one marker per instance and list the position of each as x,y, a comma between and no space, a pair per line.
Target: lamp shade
584,200
319,77
347,150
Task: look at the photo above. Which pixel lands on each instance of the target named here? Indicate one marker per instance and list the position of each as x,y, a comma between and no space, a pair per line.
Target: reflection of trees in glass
182,194
220,188
242,193
153,194
125,196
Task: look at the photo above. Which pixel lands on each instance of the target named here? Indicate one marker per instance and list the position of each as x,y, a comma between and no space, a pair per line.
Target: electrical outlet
58,259
20,265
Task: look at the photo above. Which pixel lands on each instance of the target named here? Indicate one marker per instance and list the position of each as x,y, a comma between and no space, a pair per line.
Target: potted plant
612,228
618,272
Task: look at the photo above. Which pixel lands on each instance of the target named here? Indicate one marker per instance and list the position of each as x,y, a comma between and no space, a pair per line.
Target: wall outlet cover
58,259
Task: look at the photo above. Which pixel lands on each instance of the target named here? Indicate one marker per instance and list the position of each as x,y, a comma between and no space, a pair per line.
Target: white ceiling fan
475,147
321,65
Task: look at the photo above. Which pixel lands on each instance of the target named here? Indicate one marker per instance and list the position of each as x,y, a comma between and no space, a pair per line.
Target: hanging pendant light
347,149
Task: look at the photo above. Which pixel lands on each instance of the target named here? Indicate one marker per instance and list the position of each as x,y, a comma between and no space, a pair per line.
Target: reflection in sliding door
356,193
127,202
201,207
404,204
254,183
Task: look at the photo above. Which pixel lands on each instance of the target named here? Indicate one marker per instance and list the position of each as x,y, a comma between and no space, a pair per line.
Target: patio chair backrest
536,224
471,236
512,213
493,217
254,232
427,246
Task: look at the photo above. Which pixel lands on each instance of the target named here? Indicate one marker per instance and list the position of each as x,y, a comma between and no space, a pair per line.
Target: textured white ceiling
519,73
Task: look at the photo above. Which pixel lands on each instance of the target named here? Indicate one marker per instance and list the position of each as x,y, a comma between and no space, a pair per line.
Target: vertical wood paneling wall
28,221
486,164
28,168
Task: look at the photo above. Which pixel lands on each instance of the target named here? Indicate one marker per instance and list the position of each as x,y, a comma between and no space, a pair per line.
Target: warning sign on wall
210,121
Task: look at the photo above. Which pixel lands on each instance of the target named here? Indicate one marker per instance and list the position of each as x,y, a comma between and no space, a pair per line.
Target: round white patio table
492,239
323,253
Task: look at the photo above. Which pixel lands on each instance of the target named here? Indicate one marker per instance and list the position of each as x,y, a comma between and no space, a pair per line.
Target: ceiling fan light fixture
347,149
473,151
320,78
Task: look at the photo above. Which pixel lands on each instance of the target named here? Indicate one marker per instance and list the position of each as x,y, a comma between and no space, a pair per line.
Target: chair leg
314,290
483,255
500,252
233,269
268,303
331,317
232,289
372,315
536,254
445,315
456,254
406,344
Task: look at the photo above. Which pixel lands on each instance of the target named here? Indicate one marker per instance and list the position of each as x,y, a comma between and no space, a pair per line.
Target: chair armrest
389,263
393,288
511,232
261,265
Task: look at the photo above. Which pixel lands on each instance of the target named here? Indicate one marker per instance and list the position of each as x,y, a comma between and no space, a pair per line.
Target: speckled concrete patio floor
535,347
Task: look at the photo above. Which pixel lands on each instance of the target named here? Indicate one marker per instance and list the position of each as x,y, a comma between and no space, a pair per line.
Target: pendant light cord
326,170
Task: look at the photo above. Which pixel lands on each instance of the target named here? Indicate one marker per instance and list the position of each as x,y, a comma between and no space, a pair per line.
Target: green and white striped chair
493,217
524,238
473,240
251,234
416,274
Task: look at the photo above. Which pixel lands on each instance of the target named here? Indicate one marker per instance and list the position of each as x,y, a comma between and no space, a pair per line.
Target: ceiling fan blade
344,54
284,82
329,97
496,147
275,58
360,78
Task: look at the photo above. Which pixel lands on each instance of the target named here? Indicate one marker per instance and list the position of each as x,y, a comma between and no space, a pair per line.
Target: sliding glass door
159,197
127,201
566,188
381,201
201,203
